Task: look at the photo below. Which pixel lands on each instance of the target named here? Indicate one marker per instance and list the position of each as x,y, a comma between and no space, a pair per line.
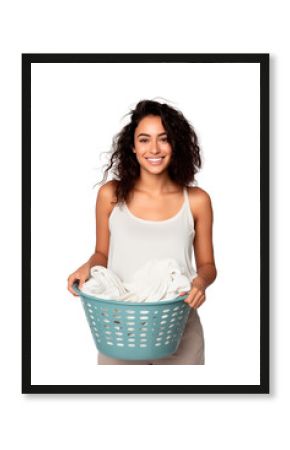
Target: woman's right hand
80,275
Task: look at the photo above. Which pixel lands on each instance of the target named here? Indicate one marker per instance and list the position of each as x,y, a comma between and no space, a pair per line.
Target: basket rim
86,296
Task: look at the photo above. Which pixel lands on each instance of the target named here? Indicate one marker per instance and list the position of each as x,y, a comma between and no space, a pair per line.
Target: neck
154,184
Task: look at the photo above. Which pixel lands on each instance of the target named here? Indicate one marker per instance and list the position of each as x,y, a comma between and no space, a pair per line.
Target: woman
151,212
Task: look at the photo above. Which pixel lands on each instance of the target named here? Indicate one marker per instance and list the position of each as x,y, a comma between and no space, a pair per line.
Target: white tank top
134,241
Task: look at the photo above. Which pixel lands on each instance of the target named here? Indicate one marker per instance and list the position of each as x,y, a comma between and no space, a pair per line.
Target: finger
193,299
73,292
198,302
197,293
70,288
194,292
189,299
191,296
81,282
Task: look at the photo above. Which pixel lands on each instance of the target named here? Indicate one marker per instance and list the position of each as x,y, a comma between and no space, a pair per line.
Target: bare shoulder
199,200
107,195
198,194
104,207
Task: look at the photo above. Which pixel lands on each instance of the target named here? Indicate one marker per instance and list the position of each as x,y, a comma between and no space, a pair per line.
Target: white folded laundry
105,284
157,280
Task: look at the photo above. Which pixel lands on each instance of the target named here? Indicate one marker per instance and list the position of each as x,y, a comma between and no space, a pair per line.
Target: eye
143,140
164,139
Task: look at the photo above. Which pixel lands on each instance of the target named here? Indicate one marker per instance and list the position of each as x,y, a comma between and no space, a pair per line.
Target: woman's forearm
97,259
206,274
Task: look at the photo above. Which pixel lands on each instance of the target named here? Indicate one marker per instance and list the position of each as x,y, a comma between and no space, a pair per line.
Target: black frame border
263,59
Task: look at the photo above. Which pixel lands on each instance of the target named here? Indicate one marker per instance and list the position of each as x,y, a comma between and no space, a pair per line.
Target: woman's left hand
196,295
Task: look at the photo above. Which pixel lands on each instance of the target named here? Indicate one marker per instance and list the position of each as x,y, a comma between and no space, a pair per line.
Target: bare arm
100,256
97,259
103,210
203,247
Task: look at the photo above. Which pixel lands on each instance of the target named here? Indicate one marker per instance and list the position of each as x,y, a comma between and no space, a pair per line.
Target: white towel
157,280
105,284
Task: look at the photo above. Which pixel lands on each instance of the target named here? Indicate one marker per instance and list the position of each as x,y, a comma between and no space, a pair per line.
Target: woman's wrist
199,282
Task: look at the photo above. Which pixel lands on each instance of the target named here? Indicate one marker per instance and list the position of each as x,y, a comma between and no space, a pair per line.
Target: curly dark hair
185,161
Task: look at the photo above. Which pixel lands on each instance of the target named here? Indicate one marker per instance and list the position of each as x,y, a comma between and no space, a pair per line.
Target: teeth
154,159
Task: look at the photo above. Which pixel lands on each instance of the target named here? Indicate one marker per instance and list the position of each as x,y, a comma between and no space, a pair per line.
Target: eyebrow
145,134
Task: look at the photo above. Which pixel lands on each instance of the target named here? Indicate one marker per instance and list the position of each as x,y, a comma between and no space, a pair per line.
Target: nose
155,148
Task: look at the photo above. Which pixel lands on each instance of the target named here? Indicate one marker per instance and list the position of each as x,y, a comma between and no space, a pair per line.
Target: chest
155,209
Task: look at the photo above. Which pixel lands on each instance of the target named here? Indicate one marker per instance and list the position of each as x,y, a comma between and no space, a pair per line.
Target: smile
155,161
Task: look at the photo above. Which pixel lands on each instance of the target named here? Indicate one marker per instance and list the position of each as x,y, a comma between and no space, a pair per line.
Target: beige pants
190,350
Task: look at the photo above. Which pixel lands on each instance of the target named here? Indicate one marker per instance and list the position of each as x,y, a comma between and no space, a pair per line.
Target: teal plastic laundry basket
135,331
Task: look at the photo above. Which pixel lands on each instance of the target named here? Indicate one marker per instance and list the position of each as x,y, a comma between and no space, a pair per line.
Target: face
151,146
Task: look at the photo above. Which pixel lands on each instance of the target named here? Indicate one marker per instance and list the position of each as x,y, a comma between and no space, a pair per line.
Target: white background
63,421
76,109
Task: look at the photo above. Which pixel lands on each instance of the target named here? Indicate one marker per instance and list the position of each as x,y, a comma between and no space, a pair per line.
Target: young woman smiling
150,211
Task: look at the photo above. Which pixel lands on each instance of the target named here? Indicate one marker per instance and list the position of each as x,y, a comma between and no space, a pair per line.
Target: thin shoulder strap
185,192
